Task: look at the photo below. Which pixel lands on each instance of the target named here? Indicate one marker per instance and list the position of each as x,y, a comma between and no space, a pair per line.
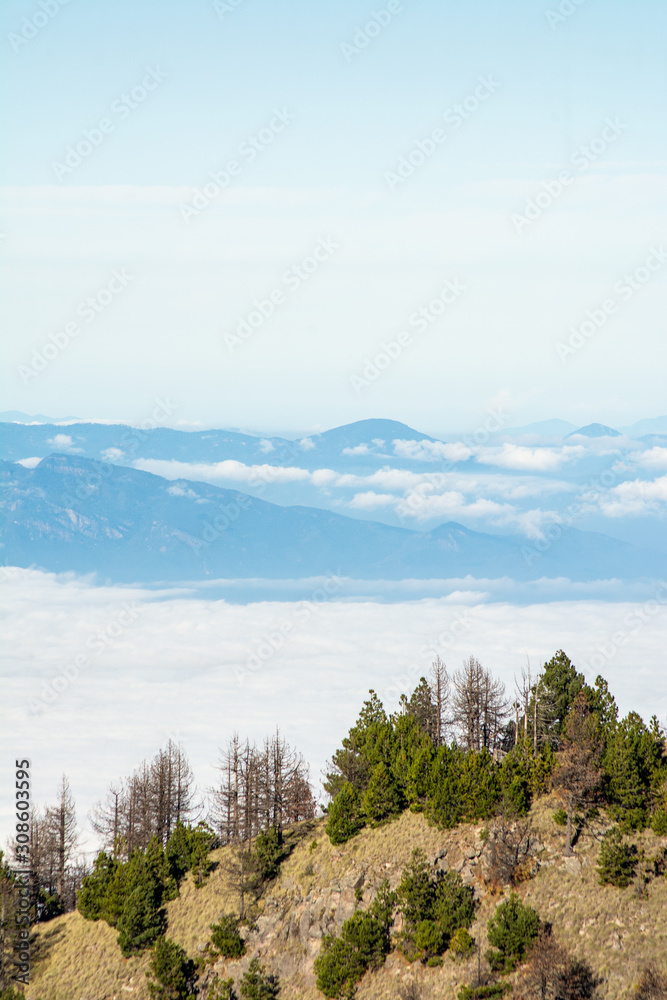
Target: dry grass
615,930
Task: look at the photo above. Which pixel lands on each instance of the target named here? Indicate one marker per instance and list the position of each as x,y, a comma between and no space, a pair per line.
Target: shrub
560,817
364,943
345,817
435,906
141,920
92,901
172,974
382,799
652,985
222,989
462,943
269,854
511,930
226,939
256,985
617,861
482,992
509,857
659,823
551,972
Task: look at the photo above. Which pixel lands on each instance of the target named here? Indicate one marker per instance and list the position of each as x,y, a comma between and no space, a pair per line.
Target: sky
420,207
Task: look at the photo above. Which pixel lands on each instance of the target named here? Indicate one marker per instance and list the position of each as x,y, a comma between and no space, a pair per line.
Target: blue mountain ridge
72,514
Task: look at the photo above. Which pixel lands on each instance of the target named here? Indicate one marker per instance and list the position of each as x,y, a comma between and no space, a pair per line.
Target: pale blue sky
555,86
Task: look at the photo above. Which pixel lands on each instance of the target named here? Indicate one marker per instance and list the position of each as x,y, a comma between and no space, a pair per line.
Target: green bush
222,989
382,799
256,985
659,823
483,992
511,930
92,902
560,817
188,849
345,818
435,905
462,943
269,854
364,943
226,939
617,860
172,974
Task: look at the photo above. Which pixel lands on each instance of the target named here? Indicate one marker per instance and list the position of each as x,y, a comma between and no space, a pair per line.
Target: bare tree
149,803
441,692
578,773
62,835
480,706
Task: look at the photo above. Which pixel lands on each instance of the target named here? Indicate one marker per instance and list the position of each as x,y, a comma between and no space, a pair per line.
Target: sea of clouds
98,678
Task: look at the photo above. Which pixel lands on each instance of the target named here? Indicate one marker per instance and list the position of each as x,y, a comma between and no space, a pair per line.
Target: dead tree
578,772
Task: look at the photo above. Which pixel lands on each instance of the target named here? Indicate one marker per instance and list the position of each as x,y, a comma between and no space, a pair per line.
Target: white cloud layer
182,668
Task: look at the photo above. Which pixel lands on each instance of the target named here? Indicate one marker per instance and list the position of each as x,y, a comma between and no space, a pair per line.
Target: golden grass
615,930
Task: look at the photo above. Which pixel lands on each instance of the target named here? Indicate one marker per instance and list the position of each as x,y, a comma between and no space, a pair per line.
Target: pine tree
172,974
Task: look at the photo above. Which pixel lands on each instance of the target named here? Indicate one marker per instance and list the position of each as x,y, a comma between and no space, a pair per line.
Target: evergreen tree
364,943
382,798
93,901
257,985
141,919
561,683
511,930
345,815
172,974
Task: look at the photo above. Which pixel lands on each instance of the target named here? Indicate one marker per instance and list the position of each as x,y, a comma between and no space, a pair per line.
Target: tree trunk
568,829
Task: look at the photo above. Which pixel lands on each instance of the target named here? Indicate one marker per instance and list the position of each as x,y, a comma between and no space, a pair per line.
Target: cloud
515,456
306,444
359,449
266,446
62,442
113,454
29,463
181,491
371,500
654,458
637,498
228,471
432,451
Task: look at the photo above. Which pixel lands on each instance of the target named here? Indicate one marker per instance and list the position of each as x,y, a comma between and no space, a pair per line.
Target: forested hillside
473,843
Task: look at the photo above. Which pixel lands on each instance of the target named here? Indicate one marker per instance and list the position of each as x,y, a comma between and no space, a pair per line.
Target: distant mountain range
70,513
